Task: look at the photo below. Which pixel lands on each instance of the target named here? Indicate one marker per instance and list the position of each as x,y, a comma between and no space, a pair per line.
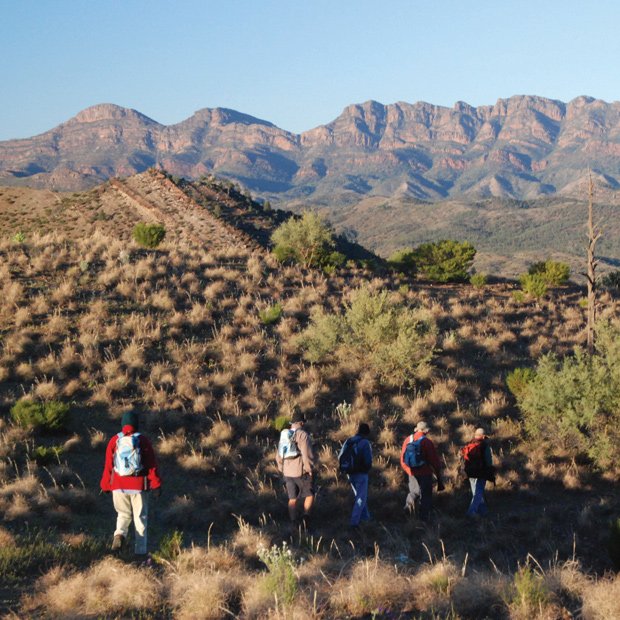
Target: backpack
350,458
473,459
287,446
413,453
127,455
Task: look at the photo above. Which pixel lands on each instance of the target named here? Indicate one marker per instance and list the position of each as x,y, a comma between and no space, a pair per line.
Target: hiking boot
117,542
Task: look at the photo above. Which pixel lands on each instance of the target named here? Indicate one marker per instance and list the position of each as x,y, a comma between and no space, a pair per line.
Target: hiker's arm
307,455
108,465
432,458
150,463
402,456
488,456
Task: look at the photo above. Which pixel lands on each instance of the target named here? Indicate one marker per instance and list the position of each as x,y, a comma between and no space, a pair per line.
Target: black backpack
472,456
350,458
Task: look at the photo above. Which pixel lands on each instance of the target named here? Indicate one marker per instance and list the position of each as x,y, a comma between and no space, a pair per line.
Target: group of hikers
130,473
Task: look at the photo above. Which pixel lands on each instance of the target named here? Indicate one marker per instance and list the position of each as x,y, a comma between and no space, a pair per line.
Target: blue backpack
127,456
413,453
350,458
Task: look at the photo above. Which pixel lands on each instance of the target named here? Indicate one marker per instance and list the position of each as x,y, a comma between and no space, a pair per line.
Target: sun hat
422,427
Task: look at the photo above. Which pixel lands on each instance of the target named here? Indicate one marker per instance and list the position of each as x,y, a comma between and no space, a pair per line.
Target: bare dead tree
593,236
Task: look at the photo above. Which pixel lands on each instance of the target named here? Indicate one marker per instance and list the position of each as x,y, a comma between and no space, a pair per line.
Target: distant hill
509,177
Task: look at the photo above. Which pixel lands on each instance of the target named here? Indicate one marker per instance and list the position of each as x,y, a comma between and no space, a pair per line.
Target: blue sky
296,63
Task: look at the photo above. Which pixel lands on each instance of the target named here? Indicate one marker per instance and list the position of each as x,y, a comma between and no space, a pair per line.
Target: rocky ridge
522,147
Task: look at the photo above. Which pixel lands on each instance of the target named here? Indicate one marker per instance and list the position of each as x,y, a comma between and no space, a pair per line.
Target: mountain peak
226,116
109,112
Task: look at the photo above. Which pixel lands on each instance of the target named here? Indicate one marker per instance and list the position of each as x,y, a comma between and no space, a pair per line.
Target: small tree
445,261
533,285
308,240
552,272
149,235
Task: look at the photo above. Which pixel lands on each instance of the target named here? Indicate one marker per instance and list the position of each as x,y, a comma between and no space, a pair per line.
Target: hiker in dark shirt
478,464
355,460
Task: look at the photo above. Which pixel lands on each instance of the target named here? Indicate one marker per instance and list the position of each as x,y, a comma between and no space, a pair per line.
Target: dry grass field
89,318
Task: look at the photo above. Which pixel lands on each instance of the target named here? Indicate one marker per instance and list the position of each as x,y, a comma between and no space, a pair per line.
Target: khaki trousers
130,506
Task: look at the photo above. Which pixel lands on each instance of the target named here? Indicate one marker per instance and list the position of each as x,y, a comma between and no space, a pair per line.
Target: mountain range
510,178
523,147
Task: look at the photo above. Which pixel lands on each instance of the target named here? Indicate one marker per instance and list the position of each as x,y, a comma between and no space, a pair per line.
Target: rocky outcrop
521,147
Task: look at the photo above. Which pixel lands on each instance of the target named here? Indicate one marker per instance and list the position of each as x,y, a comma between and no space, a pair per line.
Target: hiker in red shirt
420,461
130,472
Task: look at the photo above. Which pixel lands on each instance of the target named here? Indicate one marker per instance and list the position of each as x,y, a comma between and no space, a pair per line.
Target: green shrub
281,580
37,551
404,261
552,272
49,416
478,280
322,336
612,280
533,285
444,261
19,237
306,240
270,315
45,455
170,547
395,341
148,235
281,422
576,400
518,381
333,261
614,543
529,592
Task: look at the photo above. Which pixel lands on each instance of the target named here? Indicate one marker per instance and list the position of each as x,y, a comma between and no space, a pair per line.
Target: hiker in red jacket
130,472
478,465
420,462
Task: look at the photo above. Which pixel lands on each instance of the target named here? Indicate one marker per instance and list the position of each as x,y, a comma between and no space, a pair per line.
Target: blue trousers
477,506
359,484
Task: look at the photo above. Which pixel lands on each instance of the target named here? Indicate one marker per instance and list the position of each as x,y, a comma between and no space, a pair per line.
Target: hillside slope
179,333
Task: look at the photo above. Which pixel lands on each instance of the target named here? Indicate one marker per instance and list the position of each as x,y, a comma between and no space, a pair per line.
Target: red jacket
111,481
429,454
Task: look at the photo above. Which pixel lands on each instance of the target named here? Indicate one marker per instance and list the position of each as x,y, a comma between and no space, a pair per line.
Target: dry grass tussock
108,587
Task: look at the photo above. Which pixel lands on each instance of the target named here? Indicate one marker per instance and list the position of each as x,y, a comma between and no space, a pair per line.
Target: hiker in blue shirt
355,461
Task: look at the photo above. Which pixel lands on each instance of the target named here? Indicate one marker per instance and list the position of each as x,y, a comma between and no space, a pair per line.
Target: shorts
299,488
